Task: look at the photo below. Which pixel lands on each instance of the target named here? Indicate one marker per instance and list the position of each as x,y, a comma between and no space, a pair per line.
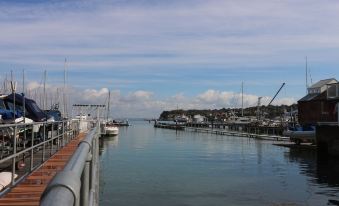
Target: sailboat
109,128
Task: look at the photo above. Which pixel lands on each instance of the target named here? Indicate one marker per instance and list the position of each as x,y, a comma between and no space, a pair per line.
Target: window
332,91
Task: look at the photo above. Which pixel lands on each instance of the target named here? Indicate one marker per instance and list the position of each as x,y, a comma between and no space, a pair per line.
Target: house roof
322,83
308,97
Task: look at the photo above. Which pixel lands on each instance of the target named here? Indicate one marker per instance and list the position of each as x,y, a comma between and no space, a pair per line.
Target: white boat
301,136
110,129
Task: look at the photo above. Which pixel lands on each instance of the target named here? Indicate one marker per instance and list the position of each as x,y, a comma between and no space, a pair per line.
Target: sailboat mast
108,104
23,94
45,99
64,92
242,99
13,88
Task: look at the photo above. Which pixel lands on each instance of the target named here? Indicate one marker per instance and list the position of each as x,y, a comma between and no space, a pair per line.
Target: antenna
306,77
309,73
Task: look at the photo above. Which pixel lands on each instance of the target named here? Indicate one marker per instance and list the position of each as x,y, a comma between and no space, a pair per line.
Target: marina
170,103
46,157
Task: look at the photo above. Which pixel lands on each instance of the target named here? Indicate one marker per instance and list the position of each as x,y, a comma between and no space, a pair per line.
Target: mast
45,99
13,87
23,95
5,84
242,99
108,104
64,93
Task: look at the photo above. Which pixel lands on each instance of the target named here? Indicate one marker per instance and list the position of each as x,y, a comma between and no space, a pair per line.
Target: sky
157,55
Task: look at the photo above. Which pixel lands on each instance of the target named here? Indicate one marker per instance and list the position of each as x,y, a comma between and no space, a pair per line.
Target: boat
181,118
110,129
121,123
301,134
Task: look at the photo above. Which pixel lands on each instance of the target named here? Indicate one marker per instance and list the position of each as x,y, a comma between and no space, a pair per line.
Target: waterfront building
320,104
199,118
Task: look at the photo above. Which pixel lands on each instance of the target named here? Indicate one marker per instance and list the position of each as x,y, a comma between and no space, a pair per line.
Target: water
148,166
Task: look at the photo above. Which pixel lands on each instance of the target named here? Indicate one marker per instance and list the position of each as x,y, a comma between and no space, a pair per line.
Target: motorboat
110,129
300,134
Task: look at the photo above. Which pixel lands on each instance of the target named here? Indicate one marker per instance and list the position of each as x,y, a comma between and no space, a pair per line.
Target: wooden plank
29,191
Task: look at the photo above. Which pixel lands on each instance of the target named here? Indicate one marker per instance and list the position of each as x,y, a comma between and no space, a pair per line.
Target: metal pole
32,150
63,133
14,158
52,142
85,181
44,145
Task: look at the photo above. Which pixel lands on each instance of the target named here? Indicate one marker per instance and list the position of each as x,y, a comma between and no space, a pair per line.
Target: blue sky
156,55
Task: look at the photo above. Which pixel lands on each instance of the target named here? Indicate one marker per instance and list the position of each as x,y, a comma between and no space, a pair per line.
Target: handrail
77,183
19,142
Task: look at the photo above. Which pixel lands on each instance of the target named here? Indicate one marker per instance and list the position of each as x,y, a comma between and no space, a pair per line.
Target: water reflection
107,141
150,166
321,170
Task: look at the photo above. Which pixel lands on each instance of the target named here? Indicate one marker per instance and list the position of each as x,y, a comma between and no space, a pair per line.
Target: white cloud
139,95
143,103
93,93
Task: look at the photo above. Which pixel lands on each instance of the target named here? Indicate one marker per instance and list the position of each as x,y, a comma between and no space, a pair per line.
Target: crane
276,94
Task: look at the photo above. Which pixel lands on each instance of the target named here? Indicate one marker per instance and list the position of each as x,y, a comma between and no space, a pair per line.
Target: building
320,104
199,118
321,86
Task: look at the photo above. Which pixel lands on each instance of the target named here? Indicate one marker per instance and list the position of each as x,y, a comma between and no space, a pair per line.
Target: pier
248,128
60,166
239,130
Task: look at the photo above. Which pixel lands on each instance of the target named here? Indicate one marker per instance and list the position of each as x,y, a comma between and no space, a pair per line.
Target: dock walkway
29,191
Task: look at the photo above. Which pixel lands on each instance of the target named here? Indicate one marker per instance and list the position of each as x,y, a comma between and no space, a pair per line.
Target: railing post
44,145
14,153
52,140
58,137
85,181
63,133
32,150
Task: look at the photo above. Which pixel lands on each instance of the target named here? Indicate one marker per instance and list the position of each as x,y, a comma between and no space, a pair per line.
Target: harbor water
144,165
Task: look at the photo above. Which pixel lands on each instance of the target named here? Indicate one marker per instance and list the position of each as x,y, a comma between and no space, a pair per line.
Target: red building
320,104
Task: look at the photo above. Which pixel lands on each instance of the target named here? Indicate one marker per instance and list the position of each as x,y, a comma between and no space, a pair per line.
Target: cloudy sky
158,55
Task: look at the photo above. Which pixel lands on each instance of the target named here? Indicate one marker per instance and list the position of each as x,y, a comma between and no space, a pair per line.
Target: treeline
265,111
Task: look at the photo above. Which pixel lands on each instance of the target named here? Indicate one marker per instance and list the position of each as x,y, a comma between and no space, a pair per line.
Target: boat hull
111,130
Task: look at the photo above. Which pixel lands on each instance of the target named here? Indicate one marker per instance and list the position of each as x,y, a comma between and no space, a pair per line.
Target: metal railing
78,183
25,146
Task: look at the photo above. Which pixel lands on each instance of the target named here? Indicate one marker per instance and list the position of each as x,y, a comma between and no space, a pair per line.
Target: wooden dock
29,191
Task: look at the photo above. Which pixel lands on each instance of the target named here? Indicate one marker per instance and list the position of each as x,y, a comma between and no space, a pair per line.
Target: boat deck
29,191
